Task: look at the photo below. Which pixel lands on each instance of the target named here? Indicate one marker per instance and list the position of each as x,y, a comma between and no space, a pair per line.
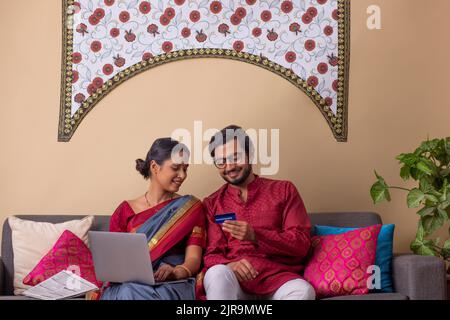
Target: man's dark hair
229,133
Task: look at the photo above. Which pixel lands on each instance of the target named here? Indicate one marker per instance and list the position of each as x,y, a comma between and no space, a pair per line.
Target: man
260,254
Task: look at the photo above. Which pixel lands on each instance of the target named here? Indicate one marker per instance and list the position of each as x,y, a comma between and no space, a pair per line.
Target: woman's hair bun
142,167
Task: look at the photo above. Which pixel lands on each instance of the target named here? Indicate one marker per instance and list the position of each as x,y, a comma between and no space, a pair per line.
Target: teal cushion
383,255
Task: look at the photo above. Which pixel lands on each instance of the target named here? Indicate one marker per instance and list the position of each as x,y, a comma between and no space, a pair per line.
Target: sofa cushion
383,256
68,253
339,263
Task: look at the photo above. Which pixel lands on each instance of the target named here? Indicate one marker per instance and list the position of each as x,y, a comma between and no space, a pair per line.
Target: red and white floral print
111,35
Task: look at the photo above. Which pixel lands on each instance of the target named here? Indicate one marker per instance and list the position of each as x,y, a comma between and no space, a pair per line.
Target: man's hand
243,270
240,230
165,271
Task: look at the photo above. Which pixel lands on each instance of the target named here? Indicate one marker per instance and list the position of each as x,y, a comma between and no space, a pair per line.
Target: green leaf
431,224
415,245
426,251
444,204
414,198
379,190
431,198
447,244
425,185
408,159
442,213
436,241
425,167
440,153
405,172
400,157
423,248
379,193
444,190
418,151
420,234
426,211
429,145
447,145
416,174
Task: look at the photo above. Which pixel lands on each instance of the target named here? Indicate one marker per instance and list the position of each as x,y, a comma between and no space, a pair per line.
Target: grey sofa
415,277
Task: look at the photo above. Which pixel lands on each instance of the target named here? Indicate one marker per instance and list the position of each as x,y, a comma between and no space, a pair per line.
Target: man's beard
245,173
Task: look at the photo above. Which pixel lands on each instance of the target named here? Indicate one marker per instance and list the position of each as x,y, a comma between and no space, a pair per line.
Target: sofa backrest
101,223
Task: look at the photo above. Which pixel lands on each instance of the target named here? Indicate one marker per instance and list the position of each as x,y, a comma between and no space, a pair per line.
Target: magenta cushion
339,263
68,251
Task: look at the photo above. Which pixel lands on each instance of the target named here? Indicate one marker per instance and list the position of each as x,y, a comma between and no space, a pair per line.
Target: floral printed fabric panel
107,42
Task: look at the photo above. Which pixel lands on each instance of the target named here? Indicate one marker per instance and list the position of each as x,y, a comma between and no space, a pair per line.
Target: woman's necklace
148,203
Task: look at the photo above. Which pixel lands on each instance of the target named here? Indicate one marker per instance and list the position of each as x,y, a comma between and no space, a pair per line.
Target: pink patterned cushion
339,263
68,251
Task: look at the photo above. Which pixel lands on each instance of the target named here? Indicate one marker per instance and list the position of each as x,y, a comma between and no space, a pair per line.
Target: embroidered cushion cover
384,254
339,263
69,252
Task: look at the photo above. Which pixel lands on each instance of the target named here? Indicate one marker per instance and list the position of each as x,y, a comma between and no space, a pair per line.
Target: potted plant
429,165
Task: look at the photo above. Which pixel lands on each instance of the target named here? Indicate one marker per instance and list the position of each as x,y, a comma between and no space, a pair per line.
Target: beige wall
398,95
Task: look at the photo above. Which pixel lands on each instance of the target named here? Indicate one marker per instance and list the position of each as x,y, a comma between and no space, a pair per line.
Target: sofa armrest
2,277
419,277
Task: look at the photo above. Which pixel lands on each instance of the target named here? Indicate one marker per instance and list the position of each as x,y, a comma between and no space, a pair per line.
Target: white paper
62,285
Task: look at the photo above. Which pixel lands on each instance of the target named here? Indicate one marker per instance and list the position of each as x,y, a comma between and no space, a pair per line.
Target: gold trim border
162,232
338,123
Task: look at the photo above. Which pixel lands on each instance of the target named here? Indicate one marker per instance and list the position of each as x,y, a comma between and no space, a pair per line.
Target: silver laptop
122,257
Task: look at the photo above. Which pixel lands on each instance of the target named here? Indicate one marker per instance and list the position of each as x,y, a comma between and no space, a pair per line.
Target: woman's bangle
185,268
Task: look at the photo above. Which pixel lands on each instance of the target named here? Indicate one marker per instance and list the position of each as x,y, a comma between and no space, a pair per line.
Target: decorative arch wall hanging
106,42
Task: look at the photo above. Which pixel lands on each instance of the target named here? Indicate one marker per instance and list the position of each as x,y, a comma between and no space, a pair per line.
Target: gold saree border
338,123
177,217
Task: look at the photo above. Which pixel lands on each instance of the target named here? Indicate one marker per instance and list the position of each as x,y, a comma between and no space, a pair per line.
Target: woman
174,226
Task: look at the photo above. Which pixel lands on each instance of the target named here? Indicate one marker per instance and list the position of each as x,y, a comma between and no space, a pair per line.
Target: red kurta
276,212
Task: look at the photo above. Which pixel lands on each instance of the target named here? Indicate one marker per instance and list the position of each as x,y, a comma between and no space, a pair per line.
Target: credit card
221,218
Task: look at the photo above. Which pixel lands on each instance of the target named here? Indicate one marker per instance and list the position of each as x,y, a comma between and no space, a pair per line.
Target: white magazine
62,285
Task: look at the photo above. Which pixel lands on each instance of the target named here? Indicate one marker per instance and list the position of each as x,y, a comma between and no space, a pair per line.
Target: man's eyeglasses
238,158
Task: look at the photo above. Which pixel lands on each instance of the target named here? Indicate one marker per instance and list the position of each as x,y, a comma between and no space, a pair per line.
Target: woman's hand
180,273
165,271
